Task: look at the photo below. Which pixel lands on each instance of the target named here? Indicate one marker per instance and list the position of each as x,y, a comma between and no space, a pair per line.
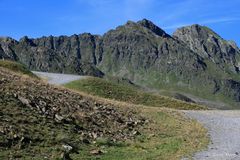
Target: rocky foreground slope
194,60
39,120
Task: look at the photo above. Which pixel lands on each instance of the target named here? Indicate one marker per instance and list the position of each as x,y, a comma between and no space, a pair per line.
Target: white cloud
219,20
174,11
203,22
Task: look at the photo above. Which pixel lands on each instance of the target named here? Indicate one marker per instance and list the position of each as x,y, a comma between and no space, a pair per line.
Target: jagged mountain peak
26,40
7,40
196,30
6,43
211,46
146,25
198,33
154,28
234,45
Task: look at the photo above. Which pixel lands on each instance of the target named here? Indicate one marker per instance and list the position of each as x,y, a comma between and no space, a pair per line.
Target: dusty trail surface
224,131
58,79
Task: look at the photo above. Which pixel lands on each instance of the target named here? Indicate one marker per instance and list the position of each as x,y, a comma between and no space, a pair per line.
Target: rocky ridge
194,60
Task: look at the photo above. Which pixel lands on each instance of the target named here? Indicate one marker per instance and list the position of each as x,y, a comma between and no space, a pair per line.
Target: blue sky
36,18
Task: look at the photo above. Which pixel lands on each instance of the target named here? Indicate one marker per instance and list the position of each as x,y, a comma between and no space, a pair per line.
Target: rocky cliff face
135,51
6,51
210,46
194,60
75,54
2,54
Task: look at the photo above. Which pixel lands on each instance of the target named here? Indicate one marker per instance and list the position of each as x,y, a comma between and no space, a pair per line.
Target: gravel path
58,79
224,130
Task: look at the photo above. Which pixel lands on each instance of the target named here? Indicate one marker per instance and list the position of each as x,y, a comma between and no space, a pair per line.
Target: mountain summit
210,45
150,25
195,60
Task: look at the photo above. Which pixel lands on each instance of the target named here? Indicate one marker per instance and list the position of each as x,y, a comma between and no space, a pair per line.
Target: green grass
168,137
126,93
16,67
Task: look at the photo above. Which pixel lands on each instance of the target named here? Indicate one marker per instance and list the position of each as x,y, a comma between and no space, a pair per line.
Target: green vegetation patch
16,67
130,94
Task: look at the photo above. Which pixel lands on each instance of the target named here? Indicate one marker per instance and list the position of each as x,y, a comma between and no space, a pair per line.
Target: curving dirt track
224,130
57,78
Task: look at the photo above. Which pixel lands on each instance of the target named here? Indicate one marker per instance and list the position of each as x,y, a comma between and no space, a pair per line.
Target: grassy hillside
16,67
168,136
40,121
126,93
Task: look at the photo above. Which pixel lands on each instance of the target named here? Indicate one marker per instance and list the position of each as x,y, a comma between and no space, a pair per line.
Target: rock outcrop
76,54
210,46
6,51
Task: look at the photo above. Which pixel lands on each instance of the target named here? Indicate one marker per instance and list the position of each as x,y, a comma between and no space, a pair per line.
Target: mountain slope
133,50
195,60
222,58
163,62
211,46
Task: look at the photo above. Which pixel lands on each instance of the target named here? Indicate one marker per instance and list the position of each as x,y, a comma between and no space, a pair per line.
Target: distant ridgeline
195,60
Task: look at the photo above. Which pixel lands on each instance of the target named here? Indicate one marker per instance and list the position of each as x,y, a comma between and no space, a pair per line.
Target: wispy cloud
174,26
220,20
203,22
175,10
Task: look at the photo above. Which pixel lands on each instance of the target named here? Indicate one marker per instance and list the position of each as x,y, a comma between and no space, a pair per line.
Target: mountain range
194,60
